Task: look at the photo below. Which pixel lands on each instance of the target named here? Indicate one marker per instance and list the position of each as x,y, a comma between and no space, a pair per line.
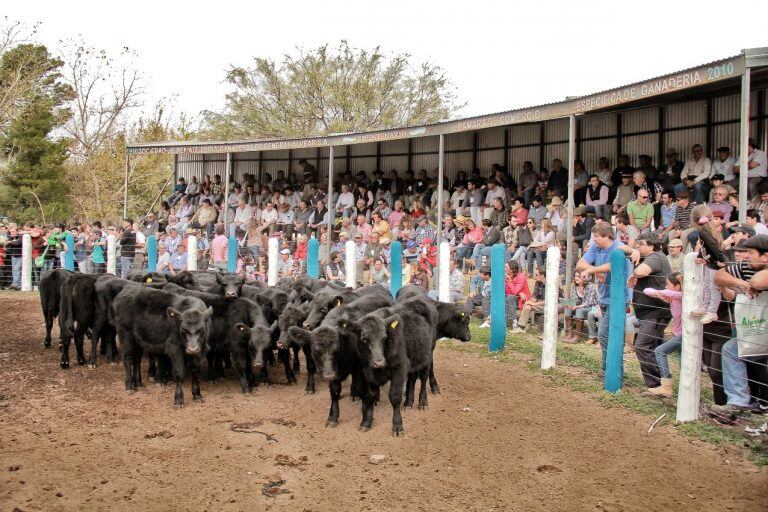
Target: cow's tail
66,318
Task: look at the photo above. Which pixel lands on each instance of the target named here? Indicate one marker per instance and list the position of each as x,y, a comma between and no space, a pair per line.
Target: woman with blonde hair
545,238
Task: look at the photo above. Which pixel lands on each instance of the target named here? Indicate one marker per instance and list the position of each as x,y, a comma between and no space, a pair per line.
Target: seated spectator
193,190
516,291
379,274
626,232
542,241
557,183
178,260
491,236
150,226
584,298
597,198
537,211
696,172
455,283
184,213
219,250
675,256
285,264
624,192
518,212
334,271
518,239
535,304
284,222
473,235
480,294
318,217
173,240
163,260
718,181
640,211
241,218
178,192
205,217
753,221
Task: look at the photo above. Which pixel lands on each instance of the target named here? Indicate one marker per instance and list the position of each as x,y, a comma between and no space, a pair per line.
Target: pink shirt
395,217
675,306
219,248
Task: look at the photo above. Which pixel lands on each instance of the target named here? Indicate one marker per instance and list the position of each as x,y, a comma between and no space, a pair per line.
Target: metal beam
541,146
125,185
440,172
474,152
743,143
506,151
329,199
571,203
226,196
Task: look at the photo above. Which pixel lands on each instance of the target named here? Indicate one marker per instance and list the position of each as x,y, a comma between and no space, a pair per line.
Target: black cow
285,283
205,278
185,279
161,322
380,342
295,316
277,299
233,319
334,352
227,285
323,302
409,291
106,288
76,314
50,299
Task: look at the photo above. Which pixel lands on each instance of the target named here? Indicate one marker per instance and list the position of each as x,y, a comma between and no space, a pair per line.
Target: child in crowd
711,253
674,296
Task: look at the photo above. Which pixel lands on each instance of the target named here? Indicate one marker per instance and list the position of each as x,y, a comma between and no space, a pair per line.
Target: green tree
33,183
327,91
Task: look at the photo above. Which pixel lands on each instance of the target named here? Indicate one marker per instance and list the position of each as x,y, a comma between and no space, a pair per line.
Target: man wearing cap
682,225
675,256
757,167
205,217
697,171
739,232
723,165
423,231
624,192
718,180
720,202
747,276
285,263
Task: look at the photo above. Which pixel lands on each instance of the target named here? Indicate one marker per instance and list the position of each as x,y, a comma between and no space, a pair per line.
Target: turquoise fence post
69,256
232,255
498,310
313,258
614,359
152,253
396,268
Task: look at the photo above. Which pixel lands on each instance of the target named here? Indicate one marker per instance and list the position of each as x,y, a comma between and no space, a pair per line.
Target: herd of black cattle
181,320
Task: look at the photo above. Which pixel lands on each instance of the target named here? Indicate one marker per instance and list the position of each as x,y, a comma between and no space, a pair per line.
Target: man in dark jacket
13,252
491,236
127,248
582,227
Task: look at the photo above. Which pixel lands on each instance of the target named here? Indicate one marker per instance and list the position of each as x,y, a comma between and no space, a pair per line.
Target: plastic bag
751,329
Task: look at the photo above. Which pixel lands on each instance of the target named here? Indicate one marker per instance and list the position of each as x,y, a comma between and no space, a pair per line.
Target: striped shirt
683,216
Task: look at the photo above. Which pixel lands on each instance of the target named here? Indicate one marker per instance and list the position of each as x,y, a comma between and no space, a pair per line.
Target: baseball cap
759,242
675,242
743,228
285,251
717,177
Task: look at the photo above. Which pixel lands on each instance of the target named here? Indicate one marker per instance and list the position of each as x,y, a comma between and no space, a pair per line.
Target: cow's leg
296,364
241,366
95,335
285,356
368,398
127,347
396,398
64,348
194,370
177,367
137,353
432,380
410,385
152,367
79,337
423,377
270,358
48,329
354,388
311,370
109,346
333,416
211,356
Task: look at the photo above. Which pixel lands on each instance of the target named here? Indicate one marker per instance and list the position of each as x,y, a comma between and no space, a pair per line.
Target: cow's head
259,338
194,326
292,316
326,344
454,322
320,307
231,285
372,336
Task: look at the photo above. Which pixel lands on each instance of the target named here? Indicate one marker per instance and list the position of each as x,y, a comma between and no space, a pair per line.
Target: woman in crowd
473,235
542,240
583,297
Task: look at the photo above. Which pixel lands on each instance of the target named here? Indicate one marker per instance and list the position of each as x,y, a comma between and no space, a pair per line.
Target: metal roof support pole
743,143
226,196
329,200
571,202
440,173
125,185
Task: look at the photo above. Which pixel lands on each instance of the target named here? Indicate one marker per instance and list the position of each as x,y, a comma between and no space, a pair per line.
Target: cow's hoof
92,366
408,406
332,424
364,429
64,365
398,433
81,362
198,399
423,407
47,344
129,391
309,391
61,347
436,390
178,405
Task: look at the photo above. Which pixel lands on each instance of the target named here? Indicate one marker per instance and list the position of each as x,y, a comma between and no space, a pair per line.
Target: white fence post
551,295
192,252
26,263
272,254
689,390
350,263
111,255
444,288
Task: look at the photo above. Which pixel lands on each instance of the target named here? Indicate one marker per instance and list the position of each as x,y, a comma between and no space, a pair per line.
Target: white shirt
459,197
761,171
760,229
700,169
242,215
345,200
140,240
292,200
163,261
269,216
725,168
493,194
285,217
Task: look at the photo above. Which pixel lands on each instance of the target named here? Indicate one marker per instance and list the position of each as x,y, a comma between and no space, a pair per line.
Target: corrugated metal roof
663,84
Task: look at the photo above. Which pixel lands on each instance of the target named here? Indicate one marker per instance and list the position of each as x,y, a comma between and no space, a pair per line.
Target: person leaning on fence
672,294
597,262
750,277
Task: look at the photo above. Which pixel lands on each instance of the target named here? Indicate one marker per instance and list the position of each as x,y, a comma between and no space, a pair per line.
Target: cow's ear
300,336
173,313
273,327
241,327
208,312
394,322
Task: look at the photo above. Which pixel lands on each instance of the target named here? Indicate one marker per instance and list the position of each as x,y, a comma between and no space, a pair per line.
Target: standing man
127,247
757,167
597,261
527,183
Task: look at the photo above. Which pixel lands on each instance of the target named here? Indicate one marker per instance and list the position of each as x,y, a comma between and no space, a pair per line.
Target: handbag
751,328
41,258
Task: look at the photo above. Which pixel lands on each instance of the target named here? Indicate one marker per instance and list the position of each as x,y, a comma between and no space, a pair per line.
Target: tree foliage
327,91
33,181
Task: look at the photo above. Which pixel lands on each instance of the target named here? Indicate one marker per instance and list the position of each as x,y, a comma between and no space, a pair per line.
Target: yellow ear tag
344,325
462,314
149,279
338,302
393,324
242,328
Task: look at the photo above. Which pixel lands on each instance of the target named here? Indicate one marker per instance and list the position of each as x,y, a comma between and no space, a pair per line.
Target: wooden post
551,296
313,258
232,255
111,255
69,256
444,288
152,253
688,393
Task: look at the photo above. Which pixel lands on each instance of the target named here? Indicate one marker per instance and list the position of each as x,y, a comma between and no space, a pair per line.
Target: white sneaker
517,330
485,325
699,312
708,318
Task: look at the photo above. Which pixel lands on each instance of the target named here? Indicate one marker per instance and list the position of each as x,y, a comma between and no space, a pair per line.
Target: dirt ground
496,439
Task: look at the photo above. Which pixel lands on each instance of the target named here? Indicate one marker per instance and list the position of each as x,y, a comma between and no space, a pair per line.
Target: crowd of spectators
654,214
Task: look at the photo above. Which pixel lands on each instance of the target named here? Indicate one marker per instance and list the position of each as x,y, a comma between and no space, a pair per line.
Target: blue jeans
578,313
602,331
481,250
538,256
661,352
125,266
735,380
16,271
592,323
700,192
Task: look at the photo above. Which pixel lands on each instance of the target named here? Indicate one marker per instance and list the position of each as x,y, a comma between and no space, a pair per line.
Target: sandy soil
496,439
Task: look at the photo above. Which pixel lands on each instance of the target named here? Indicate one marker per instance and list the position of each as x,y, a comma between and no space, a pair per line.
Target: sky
499,55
